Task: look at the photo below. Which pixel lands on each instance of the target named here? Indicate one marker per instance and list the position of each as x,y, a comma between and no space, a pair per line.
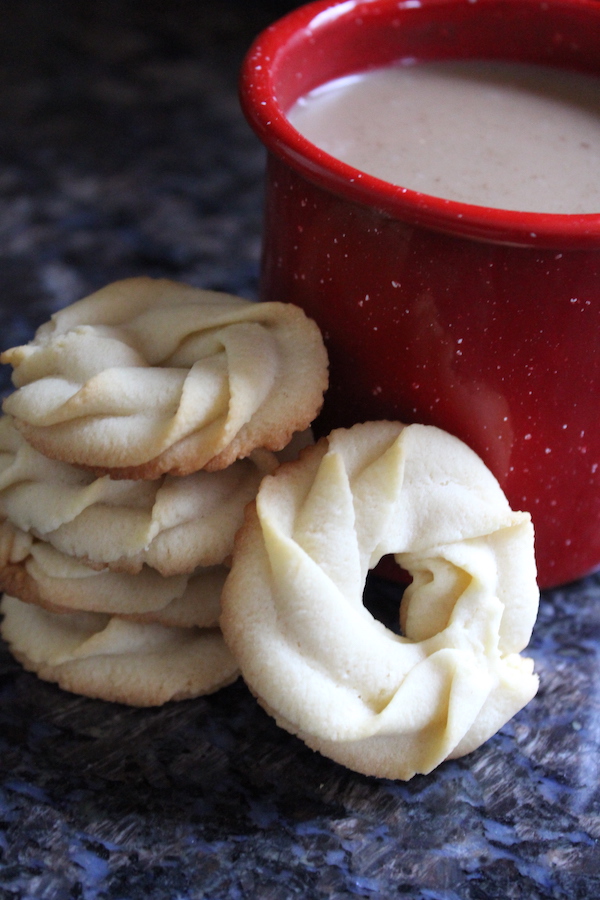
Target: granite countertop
123,152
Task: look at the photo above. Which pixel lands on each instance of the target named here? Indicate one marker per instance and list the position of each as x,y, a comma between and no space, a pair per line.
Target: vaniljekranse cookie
112,659
318,661
173,524
149,376
34,571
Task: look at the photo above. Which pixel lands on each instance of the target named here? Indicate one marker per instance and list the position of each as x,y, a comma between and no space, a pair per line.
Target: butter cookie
378,702
113,659
173,524
149,376
36,572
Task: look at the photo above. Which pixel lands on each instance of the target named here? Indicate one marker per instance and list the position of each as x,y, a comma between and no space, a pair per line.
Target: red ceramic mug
482,321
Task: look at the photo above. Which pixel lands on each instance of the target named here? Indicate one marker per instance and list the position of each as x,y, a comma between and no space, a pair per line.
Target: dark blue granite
209,799
123,152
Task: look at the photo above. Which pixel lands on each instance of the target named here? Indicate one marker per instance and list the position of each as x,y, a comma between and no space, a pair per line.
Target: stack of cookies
143,421
133,456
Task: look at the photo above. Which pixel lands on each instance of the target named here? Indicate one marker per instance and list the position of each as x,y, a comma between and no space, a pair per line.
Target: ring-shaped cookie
318,661
149,376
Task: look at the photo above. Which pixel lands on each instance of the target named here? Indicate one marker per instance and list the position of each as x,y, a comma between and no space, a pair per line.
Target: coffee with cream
498,134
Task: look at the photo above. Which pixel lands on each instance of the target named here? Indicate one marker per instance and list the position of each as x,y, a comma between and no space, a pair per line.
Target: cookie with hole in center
378,702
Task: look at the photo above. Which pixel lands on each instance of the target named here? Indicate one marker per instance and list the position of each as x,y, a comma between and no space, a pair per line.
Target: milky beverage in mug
498,134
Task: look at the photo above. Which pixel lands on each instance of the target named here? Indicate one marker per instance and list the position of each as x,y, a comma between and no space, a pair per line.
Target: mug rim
260,104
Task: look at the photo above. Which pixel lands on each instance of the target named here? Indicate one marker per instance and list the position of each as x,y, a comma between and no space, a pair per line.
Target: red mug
484,322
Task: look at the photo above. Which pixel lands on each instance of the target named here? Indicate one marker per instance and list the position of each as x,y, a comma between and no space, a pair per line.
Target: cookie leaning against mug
318,661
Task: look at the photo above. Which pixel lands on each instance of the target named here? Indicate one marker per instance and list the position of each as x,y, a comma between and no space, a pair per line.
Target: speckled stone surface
123,152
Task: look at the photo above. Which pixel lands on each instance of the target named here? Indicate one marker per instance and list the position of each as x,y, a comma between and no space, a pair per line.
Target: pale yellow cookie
149,376
173,524
318,661
112,659
61,583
